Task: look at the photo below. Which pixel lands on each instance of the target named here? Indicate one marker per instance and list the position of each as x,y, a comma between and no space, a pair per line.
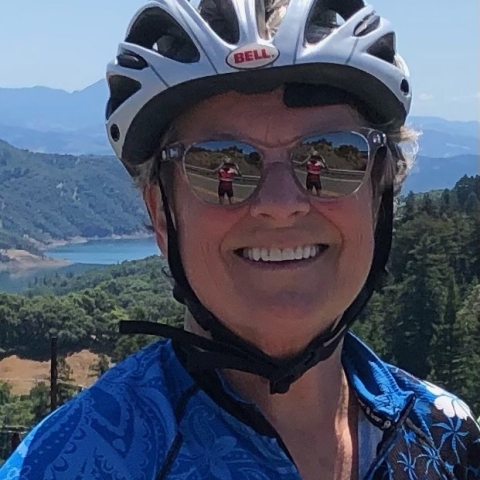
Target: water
18,282
83,256
106,252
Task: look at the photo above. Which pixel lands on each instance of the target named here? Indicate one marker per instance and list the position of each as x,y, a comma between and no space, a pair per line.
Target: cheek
202,229
199,224
353,218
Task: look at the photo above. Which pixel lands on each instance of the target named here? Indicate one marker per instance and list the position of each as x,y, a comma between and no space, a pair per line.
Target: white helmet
176,54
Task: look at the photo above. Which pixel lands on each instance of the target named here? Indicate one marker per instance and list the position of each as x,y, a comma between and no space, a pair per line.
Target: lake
106,252
83,256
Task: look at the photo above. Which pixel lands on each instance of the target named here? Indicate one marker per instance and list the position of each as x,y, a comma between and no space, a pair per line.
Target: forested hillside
84,311
50,196
426,318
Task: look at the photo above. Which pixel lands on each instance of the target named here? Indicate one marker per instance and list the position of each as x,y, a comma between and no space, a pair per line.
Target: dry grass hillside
22,375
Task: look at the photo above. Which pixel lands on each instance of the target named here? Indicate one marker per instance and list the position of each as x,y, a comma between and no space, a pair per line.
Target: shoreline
55,243
16,261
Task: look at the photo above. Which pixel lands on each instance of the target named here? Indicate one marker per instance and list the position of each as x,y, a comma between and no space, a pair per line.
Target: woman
265,382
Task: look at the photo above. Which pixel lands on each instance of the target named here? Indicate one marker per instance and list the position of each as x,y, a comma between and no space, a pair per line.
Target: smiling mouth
305,252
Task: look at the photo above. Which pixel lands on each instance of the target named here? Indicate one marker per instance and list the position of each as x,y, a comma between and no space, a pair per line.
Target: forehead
263,118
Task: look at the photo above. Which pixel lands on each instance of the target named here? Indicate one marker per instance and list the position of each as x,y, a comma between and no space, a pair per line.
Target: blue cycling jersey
148,418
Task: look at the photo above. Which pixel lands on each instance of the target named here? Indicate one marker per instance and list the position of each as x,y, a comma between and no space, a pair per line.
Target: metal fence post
53,373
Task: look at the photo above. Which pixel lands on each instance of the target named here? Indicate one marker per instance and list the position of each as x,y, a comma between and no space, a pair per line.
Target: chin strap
226,350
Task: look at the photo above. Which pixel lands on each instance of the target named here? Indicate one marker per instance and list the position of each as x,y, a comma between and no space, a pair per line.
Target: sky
66,44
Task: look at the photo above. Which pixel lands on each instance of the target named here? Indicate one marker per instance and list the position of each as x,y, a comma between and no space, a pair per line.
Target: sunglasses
327,165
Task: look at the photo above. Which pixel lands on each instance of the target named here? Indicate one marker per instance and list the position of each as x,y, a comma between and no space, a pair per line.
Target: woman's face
279,306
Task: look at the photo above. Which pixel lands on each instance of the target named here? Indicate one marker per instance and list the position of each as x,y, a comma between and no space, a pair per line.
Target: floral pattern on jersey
455,435
411,458
448,403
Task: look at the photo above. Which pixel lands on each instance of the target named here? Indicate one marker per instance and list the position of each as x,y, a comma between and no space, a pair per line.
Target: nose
279,197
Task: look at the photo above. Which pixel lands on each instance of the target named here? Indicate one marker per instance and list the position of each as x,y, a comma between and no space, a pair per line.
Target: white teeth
298,253
279,255
275,255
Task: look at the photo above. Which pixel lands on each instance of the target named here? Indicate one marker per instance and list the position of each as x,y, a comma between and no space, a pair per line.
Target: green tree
466,357
101,366
443,341
472,205
128,344
40,399
464,187
18,412
420,303
448,202
371,326
66,386
5,393
427,205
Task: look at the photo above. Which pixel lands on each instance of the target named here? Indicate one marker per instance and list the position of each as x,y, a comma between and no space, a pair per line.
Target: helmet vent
270,14
368,25
222,18
320,24
121,89
157,30
344,8
327,15
384,48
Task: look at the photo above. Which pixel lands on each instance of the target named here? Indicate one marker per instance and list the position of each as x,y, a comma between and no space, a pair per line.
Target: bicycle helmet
179,52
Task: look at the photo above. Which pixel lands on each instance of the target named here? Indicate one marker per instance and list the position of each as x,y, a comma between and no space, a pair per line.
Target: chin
284,324
296,305
280,340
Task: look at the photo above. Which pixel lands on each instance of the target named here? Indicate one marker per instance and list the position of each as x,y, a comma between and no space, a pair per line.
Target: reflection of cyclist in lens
315,164
226,173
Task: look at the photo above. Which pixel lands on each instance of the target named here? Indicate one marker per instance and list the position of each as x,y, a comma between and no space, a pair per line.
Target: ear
153,202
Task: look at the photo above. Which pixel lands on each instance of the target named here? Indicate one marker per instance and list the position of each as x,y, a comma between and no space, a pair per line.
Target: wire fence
10,438
25,404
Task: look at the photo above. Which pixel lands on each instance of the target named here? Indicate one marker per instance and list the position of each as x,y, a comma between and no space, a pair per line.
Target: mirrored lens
228,172
333,164
223,172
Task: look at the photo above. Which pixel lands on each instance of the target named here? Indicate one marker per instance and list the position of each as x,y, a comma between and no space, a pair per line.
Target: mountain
51,196
49,120
90,140
439,173
50,110
464,129
444,138
442,144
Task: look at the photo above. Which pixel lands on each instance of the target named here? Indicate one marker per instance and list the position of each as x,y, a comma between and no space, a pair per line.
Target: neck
320,399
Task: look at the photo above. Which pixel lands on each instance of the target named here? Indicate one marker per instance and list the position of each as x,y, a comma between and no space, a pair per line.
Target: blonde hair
403,148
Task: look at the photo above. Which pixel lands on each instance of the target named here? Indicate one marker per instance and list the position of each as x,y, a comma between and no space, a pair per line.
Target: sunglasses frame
375,139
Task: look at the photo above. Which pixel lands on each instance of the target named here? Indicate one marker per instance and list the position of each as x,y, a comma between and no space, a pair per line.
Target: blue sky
66,44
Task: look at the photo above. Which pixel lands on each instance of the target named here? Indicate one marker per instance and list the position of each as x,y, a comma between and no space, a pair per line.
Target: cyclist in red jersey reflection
315,164
226,173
